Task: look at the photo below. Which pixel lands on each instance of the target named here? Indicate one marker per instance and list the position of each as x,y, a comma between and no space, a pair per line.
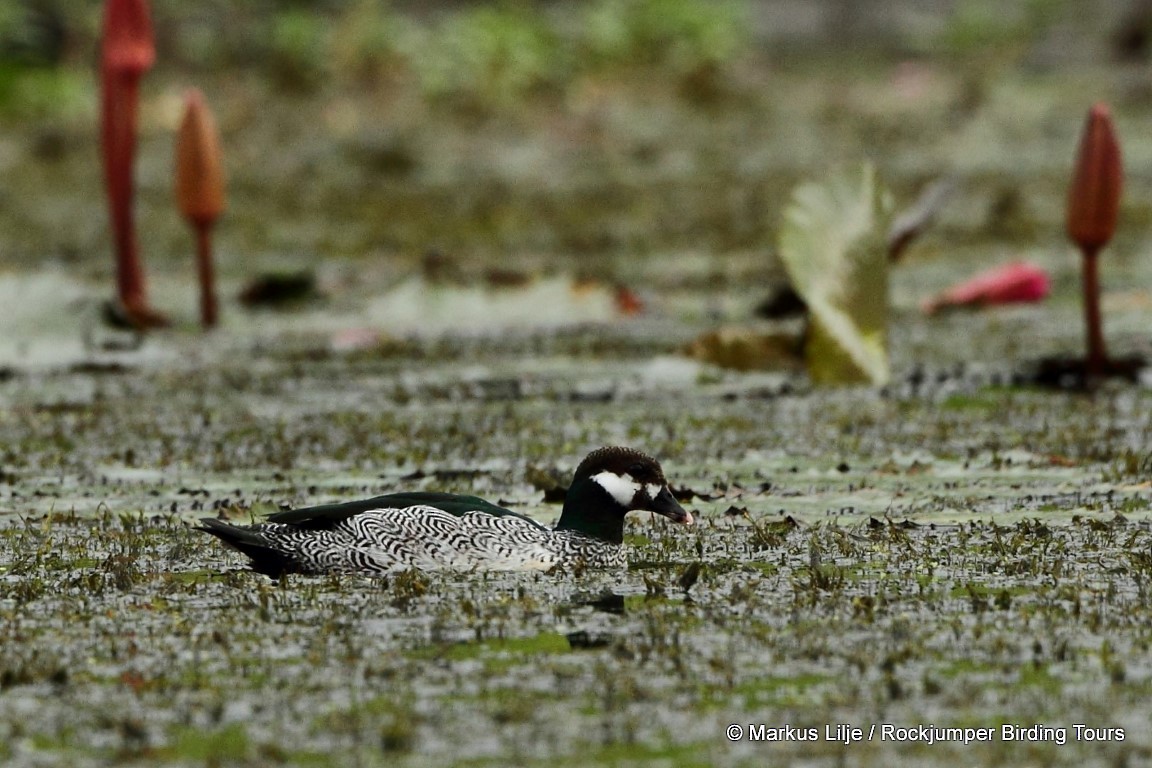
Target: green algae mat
949,570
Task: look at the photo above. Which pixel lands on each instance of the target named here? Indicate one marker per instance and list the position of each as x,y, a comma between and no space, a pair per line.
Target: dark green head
610,483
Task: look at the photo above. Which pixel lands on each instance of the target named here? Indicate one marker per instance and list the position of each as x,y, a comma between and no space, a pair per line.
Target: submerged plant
1093,207
127,52
200,191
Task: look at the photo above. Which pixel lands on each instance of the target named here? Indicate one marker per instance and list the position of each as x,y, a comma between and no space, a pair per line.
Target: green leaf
832,244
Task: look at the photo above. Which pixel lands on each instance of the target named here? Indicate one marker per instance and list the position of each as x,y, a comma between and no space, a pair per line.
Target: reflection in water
605,602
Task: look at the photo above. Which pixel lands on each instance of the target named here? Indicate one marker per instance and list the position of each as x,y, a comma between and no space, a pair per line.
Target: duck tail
265,557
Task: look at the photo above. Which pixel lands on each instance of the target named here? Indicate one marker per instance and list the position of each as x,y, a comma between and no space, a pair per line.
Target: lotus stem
119,107
1093,209
1097,362
127,52
200,191
208,304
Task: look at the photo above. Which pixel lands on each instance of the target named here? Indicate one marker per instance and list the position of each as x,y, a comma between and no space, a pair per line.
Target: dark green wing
329,515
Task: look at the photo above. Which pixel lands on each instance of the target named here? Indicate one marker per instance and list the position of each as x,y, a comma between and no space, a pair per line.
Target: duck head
610,483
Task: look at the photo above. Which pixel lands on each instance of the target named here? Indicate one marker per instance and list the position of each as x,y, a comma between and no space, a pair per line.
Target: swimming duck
399,531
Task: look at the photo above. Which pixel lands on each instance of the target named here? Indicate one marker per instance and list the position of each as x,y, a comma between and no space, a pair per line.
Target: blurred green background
584,137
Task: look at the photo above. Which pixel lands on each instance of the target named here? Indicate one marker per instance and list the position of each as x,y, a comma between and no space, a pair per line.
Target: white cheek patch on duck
623,489
654,490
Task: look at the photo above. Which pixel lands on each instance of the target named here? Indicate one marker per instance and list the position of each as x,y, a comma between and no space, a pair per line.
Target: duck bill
665,504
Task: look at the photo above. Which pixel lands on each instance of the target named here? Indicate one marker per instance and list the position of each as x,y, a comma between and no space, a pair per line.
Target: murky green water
963,555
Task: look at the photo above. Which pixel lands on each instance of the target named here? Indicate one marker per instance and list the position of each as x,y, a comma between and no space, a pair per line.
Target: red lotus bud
199,171
128,43
1094,197
1013,283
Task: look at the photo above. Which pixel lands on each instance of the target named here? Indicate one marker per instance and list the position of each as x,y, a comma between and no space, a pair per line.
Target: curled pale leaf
832,243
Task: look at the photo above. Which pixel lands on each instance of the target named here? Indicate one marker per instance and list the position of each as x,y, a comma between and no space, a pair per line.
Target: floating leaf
833,246
745,348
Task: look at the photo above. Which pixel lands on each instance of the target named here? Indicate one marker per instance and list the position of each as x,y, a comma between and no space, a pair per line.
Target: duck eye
638,471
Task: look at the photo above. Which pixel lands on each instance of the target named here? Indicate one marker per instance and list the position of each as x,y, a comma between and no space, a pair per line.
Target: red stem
1097,354
208,304
119,106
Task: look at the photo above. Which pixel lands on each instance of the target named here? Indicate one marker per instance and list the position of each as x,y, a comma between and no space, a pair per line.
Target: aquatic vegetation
833,245
841,574
492,53
687,35
127,52
877,618
491,56
1093,207
200,191
1017,282
299,46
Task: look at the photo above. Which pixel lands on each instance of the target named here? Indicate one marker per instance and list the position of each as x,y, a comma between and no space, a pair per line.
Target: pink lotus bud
1094,197
199,170
1019,282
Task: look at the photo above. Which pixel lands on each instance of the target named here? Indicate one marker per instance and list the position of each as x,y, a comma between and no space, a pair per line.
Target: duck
444,531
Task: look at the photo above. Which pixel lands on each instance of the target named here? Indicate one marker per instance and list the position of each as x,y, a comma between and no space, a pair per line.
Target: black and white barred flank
427,538
432,531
